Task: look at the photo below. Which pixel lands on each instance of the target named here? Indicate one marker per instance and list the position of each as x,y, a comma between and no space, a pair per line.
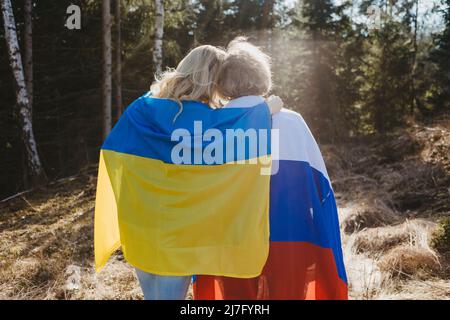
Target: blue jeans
157,287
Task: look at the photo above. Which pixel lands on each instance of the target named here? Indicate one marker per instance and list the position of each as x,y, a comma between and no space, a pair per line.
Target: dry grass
374,241
409,261
413,289
382,261
364,276
367,213
389,207
46,248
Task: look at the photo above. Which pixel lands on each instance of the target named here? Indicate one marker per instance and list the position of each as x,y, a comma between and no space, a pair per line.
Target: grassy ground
392,193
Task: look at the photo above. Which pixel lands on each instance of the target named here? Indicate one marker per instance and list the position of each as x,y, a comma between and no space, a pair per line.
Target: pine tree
441,57
317,19
387,91
209,20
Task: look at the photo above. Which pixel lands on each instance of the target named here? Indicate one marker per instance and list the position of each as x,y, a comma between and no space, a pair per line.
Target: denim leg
156,287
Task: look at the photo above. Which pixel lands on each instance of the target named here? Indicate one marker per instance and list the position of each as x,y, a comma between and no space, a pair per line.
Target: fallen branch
16,195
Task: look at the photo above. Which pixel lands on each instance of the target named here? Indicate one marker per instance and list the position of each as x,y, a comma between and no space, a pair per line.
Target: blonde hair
195,78
245,71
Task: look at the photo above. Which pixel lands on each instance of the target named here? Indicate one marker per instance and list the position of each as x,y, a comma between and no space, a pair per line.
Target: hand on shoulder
275,104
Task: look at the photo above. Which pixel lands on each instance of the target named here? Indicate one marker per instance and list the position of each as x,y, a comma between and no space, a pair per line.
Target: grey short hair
245,71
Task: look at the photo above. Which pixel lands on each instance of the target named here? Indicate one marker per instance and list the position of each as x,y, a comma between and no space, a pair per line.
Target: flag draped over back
305,259
197,216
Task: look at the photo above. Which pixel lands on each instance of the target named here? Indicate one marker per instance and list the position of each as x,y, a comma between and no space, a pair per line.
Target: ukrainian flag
194,217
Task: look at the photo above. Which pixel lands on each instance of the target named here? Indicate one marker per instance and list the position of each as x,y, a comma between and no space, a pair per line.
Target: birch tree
107,57
118,62
159,33
28,43
22,107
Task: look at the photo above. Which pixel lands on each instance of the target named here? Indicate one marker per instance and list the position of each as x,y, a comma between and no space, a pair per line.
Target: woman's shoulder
149,110
289,119
296,141
148,99
148,104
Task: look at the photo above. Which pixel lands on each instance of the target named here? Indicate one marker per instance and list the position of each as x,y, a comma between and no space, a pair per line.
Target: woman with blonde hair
195,77
192,83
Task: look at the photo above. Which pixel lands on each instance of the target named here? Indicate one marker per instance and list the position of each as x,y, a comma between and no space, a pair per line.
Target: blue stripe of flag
146,127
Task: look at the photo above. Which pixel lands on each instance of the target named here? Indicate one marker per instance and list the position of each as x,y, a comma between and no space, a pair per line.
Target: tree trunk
414,62
22,108
159,33
118,75
28,70
107,83
267,25
28,42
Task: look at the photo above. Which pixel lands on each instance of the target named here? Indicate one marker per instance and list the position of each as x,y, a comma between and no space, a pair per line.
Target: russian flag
305,257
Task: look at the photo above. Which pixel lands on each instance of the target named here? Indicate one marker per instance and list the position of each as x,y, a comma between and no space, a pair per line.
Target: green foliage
440,56
344,78
318,19
441,237
386,91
